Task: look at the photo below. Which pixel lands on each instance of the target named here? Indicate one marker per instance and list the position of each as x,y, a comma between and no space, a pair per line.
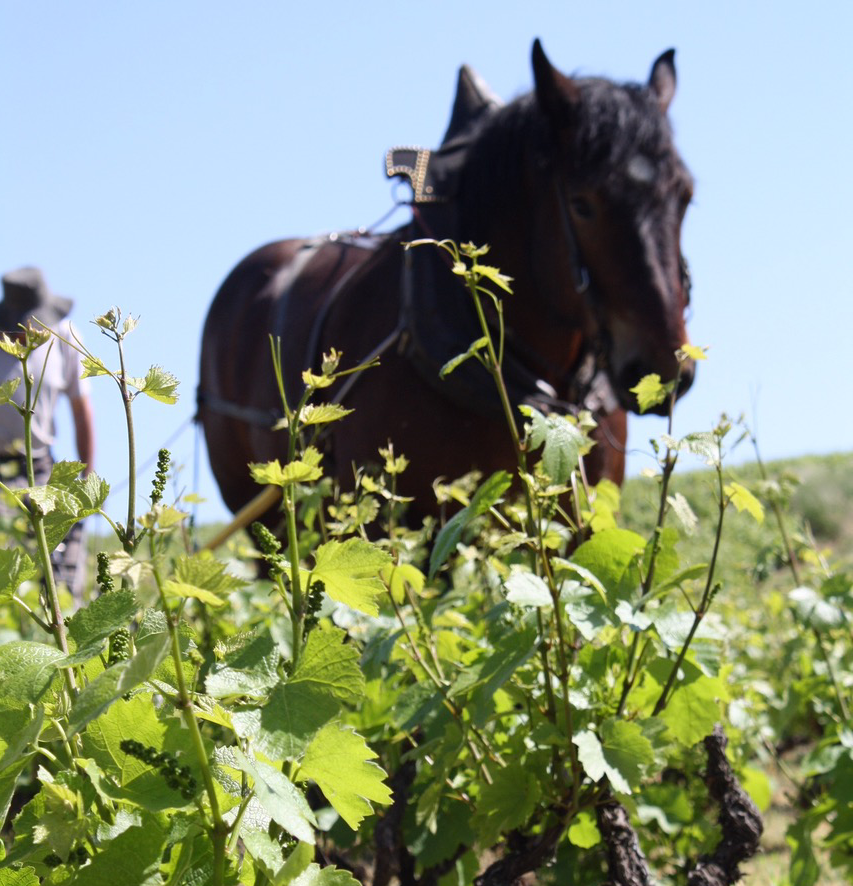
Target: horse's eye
581,207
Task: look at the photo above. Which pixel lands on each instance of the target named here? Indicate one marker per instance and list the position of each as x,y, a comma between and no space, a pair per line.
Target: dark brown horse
579,191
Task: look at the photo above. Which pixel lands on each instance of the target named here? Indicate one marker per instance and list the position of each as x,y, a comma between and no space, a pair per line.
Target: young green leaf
682,510
350,572
279,796
102,616
314,875
92,366
26,671
16,567
528,590
202,576
473,351
493,275
620,754
694,352
488,494
160,385
248,666
613,557
398,576
7,390
651,391
692,710
323,413
310,380
326,677
127,778
583,832
562,440
118,680
300,470
744,500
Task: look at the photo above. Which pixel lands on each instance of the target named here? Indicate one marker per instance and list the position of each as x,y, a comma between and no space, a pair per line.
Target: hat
26,296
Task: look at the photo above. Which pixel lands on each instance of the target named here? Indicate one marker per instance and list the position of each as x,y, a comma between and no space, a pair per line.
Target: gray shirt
60,369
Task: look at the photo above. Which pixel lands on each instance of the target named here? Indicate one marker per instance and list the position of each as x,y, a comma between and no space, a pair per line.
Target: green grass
818,492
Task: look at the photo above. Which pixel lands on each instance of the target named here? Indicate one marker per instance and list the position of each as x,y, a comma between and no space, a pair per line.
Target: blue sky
147,147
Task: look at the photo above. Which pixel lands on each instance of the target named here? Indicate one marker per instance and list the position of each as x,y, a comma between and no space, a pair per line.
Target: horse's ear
662,79
555,92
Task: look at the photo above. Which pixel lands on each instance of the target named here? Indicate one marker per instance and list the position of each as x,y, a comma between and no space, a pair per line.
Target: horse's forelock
614,124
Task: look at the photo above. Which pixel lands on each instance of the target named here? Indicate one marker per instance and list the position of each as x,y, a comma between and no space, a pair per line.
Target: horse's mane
613,123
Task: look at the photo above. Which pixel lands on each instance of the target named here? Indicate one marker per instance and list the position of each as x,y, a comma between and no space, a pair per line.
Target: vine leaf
327,676
279,796
651,391
160,385
562,440
202,576
583,831
621,753
124,777
248,666
101,617
506,803
132,858
340,762
118,680
744,500
350,572
26,671
397,577
15,568
612,556
528,590
314,875
300,470
475,348
483,499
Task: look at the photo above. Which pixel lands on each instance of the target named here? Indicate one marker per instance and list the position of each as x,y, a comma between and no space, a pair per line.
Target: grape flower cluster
177,777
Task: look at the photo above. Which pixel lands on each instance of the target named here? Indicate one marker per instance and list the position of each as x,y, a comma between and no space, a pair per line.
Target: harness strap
263,418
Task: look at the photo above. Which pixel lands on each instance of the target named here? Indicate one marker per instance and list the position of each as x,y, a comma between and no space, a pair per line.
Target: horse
580,193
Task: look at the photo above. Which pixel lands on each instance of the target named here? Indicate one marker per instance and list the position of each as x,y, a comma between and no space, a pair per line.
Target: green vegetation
547,677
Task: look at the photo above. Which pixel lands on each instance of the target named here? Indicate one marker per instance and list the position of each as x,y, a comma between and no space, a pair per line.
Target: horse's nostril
633,373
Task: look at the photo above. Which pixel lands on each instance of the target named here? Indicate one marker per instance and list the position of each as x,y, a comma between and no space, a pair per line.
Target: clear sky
147,147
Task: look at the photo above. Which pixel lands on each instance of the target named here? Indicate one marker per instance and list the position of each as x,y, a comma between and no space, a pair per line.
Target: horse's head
621,193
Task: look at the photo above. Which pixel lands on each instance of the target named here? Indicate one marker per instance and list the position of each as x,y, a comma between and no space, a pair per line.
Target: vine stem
219,829
33,615
540,561
454,710
670,460
57,621
127,400
707,593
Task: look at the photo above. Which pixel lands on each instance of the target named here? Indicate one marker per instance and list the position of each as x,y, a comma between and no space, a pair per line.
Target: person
57,367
